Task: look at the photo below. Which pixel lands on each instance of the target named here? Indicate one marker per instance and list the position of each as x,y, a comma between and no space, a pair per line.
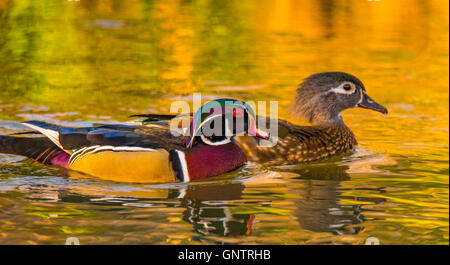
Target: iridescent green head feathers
217,121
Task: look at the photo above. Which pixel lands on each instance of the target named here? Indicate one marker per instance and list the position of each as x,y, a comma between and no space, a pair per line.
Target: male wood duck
320,99
136,153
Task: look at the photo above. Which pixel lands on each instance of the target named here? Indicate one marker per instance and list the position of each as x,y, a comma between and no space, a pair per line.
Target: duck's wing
56,134
115,152
155,117
38,148
163,119
333,138
71,139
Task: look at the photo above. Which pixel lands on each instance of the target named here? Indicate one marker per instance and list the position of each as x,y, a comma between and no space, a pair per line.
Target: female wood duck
136,153
320,99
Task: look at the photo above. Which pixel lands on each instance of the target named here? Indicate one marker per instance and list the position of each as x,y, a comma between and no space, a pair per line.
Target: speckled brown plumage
299,144
320,99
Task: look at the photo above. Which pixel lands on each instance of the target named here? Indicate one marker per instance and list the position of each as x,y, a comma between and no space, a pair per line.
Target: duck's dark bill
368,103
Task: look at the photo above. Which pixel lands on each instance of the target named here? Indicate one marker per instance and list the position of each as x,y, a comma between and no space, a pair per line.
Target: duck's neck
206,161
327,120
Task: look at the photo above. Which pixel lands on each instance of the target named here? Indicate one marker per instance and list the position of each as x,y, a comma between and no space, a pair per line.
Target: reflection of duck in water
320,209
208,207
208,210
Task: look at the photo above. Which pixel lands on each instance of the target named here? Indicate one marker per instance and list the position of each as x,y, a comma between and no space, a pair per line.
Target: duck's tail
41,149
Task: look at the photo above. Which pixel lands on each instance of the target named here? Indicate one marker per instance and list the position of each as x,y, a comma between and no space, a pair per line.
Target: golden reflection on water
69,62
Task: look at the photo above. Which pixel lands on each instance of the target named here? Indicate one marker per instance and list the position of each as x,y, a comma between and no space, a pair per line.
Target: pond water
79,62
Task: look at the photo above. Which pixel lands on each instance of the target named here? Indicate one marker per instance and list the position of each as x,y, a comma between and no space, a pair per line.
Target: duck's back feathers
71,139
157,117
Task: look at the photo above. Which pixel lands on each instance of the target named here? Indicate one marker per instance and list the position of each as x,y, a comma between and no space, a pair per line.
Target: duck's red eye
238,113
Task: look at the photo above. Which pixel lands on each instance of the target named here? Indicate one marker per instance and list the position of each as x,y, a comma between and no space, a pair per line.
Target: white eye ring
340,89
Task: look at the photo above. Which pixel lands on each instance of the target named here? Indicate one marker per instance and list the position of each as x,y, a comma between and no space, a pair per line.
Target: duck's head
218,121
322,97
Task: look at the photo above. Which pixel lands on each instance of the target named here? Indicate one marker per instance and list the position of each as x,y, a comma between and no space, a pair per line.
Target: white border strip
182,158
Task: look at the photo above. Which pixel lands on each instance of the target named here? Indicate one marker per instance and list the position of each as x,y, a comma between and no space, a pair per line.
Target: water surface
76,63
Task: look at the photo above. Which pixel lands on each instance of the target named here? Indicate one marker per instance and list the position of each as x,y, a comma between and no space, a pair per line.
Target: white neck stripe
184,168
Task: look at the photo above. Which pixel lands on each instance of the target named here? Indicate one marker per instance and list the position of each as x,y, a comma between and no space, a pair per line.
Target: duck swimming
320,99
136,153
